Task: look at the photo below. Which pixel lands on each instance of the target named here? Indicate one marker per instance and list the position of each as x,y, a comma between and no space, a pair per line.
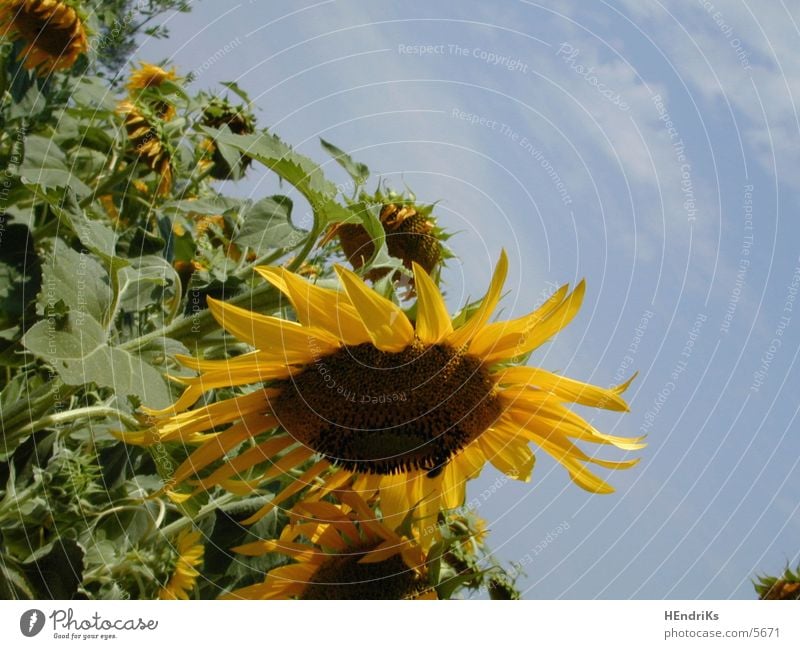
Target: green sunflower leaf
75,346
267,225
358,171
45,164
296,169
75,278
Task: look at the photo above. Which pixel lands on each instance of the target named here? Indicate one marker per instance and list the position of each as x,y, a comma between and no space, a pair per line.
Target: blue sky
650,148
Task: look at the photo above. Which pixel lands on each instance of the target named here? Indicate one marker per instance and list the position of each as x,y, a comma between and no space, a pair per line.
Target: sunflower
149,76
149,142
340,552
218,113
412,236
357,396
184,575
53,31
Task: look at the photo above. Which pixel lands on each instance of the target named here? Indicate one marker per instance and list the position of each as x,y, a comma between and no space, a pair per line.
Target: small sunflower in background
149,75
340,552
786,587
412,236
149,142
189,550
54,32
240,120
357,397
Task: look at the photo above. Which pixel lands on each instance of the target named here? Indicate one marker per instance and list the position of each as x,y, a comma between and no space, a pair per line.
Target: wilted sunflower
53,31
359,396
184,575
218,113
148,142
412,236
340,552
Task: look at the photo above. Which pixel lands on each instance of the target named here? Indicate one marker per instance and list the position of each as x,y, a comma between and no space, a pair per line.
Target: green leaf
298,170
45,164
234,88
91,92
56,570
204,205
13,584
266,225
358,171
146,281
77,279
96,236
77,348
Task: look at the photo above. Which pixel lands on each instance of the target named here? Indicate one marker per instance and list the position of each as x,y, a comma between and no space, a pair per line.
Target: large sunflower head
240,120
339,552
54,32
148,141
356,395
189,552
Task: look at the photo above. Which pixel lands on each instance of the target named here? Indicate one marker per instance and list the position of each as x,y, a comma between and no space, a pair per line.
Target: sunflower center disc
46,33
343,577
371,411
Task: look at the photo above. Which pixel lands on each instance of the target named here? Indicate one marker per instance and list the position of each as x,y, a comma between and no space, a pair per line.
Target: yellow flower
149,76
360,398
340,552
184,576
54,34
148,143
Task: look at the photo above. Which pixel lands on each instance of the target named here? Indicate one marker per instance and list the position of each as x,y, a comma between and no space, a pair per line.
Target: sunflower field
206,394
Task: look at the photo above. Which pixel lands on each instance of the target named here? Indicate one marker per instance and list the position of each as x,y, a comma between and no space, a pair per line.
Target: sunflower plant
205,395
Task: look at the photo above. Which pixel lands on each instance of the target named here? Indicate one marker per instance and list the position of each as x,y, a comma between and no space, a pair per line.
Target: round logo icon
31,622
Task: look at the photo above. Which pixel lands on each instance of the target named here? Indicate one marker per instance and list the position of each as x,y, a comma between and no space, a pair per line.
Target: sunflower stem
67,416
178,526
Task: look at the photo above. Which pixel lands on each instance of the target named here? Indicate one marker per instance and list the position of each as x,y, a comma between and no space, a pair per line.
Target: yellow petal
433,319
274,337
212,450
246,460
386,323
469,329
453,486
567,389
527,404
394,498
317,306
579,473
516,344
486,339
297,485
509,454
382,552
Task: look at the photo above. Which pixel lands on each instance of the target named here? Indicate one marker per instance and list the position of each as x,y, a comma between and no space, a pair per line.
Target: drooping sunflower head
188,553
356,395
54,32
412,235
786,586
339,552
240,120
148,141
149,75
145,85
